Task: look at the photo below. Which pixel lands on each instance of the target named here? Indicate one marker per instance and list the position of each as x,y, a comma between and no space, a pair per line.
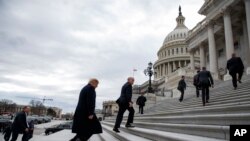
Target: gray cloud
51,48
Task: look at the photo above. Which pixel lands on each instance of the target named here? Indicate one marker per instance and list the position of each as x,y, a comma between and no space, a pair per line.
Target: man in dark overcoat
205,80
141,102
235,66
85,122
196,84
20,125
182,87
125,103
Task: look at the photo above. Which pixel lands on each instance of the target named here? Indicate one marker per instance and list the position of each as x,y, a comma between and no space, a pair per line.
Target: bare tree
37,107
7,105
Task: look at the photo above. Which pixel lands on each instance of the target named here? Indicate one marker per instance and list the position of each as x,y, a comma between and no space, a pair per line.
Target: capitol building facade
224,30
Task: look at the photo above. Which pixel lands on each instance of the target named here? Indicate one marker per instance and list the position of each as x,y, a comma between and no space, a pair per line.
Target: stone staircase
170,120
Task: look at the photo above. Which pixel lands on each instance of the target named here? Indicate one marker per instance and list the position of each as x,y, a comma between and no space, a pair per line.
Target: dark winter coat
86,107
126,94
182,85
195,81
141,100
205,78
20,123
235,65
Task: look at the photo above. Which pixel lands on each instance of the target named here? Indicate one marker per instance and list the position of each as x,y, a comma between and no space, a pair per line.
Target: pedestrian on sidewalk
85,122
235,66
197,84
205,80
125,103
141,102
7,132
182,87
20,125
31,129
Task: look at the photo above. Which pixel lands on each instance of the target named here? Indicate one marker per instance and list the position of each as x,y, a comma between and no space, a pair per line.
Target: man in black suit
235,66
141,102
125,103
205,80
196,84
20,125
182,87
85,122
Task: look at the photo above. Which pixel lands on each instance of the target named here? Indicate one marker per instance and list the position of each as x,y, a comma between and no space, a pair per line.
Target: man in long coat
141,102
20,125
85,122
205,80
125,103
235,66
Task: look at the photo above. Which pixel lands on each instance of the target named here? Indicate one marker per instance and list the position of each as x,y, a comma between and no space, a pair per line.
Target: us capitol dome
174,52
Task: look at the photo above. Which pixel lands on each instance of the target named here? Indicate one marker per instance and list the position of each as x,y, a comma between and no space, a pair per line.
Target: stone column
228,34
247,7
228,39
179,64
164,70
246,50
160,70
202,57
174,65
212,51
185,63
191,59
169,68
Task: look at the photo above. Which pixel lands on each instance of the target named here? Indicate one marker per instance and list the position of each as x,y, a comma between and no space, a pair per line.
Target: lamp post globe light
149,72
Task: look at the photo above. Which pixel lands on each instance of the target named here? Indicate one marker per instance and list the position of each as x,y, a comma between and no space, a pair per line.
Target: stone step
194,99
198,102
105,136
211,131
157,135
228,108
223,109
212,119
124,136
63,135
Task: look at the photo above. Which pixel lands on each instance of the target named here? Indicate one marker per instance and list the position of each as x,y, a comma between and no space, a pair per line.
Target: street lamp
149,72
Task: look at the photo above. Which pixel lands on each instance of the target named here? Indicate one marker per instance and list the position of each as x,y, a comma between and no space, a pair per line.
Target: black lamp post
149,72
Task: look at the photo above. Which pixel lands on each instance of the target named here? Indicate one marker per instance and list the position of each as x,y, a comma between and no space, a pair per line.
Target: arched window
168,52
181,50
172,51
177,50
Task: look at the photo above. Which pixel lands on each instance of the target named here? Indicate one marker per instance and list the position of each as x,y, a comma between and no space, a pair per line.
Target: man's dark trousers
205,93
234,77
121,111
197,91
15,136
182,94
141,109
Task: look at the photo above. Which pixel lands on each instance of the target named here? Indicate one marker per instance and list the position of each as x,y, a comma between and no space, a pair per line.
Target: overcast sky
52,47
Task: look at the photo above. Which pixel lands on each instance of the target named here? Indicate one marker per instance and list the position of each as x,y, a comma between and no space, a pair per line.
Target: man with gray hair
125,103
85,122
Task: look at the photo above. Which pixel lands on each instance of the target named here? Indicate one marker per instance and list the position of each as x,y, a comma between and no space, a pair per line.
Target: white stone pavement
39,133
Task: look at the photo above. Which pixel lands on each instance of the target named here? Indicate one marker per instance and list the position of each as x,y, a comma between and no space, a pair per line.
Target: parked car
4,123
56,128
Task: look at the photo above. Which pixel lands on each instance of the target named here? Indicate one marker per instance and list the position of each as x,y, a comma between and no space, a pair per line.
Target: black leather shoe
239,81
116,130
129,126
